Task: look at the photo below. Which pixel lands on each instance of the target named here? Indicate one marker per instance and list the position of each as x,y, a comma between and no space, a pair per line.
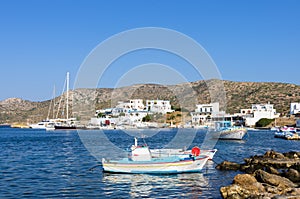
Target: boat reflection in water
157,186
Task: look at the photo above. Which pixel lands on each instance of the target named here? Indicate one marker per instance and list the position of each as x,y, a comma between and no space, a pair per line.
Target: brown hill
186,96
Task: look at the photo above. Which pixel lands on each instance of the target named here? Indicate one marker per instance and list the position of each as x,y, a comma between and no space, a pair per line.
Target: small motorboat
224,130
141,161
289,133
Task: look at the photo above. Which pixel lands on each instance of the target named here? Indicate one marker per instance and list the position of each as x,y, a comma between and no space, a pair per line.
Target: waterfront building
204,113
131,105
260,111
129,113
159,106
103,121
295,108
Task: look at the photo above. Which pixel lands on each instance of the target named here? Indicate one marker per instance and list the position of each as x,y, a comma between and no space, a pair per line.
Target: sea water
56,164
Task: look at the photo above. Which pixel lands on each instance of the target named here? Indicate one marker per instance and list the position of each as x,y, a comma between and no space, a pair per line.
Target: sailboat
67,123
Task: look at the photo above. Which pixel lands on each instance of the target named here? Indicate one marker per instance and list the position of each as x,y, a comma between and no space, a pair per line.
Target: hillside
85,101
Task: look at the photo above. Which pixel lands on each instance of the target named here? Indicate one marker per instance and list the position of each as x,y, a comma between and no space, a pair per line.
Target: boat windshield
223,124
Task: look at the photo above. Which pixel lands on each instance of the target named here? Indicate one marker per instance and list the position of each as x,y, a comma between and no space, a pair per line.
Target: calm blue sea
56,164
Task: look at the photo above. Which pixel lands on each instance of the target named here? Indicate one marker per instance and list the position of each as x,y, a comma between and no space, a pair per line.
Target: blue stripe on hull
156,172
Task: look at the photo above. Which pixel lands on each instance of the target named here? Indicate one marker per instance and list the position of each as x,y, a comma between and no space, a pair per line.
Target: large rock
296,166
292,154
244,186
248,181
292,175
226,165
272,170
272,175
235,192
270,161
273,154
274,180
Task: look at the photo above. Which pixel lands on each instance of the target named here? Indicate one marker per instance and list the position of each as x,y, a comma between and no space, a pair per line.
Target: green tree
147,118
100,115
263,122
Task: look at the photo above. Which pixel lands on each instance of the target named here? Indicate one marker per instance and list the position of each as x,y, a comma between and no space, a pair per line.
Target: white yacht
45,124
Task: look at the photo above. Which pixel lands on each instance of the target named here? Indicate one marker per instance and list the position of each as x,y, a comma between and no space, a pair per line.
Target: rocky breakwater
272,175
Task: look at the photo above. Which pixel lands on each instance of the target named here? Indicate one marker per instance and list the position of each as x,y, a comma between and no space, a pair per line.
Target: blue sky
43,39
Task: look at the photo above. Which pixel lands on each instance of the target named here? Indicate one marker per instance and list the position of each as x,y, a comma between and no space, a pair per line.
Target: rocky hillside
85,101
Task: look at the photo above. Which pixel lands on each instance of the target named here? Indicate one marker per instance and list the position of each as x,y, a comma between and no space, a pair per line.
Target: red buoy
195,151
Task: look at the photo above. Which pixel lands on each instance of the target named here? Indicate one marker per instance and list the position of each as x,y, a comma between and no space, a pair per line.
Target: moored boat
5,125
141,161
226,131
45,124
67,123
289,133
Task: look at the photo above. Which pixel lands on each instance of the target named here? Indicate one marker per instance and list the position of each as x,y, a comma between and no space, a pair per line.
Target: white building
208,108
204,112
260,111
295,108
131,105
159,106
298,123
102,121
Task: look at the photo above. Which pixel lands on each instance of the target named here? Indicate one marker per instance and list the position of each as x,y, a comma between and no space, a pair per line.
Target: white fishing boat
226,131
141,161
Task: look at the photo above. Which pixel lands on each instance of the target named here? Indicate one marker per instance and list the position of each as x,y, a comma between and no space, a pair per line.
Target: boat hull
232,134
65,127
186,165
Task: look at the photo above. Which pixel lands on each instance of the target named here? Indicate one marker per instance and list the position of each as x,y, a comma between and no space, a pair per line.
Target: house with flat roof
204,112
260,111
294,108
159,106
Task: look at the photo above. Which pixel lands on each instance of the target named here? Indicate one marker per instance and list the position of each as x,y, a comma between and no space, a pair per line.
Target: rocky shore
272,175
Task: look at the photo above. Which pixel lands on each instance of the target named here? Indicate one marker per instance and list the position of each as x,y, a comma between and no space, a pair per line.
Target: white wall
295,108
159,106
261,111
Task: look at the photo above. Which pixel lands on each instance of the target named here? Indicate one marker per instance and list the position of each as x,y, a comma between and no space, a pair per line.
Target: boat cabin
222,124
140,153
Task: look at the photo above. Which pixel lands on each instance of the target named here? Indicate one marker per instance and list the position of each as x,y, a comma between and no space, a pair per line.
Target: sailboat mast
52,102
54,94
68,95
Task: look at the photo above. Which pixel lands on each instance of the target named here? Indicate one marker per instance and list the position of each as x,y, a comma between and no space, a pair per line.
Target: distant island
239,95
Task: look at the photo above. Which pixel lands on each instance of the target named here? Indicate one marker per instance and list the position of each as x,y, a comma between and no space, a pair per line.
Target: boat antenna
143,137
